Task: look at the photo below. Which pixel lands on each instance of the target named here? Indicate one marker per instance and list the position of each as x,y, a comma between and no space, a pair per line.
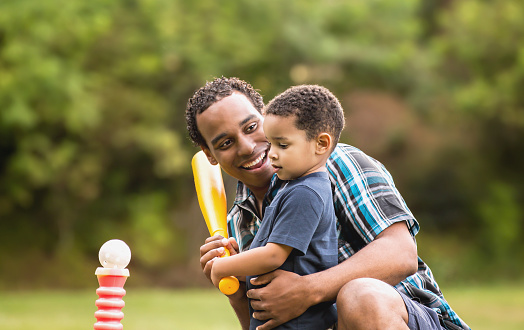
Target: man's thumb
263,279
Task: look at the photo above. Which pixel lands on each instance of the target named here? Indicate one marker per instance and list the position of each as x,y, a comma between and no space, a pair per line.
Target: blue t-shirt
302,217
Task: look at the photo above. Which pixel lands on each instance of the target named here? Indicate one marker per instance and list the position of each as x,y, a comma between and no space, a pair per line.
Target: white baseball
114,254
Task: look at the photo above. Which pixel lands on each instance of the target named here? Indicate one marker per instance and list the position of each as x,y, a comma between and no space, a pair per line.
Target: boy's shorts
420,316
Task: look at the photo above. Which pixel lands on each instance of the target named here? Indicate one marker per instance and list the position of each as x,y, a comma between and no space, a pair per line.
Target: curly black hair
212,92
316,108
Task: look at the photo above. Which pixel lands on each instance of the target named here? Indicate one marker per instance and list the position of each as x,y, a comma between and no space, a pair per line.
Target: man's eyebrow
248,118
217,138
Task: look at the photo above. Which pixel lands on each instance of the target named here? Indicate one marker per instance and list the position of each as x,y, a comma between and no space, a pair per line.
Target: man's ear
324,143
209,156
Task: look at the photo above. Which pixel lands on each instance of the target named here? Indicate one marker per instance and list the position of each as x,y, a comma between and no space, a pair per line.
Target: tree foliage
92,95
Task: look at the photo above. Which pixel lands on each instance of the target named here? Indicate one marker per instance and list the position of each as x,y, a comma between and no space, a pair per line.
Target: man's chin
265,171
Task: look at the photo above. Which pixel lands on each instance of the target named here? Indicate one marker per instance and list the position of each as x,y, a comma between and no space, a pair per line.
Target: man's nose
246,145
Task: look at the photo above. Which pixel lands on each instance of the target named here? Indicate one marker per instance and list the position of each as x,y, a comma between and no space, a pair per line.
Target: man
376,230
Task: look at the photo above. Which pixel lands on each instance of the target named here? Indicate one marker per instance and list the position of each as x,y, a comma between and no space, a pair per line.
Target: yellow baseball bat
212,200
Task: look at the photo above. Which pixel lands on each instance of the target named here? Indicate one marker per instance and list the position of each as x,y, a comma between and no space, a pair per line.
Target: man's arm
391,257
214,247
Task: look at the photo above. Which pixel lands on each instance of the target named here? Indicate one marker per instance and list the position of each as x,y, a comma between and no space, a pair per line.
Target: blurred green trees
92,132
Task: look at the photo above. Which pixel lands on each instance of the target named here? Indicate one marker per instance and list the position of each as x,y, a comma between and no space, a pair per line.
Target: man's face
291,153
232,129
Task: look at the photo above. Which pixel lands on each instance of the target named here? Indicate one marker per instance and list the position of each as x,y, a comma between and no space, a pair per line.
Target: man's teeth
255,162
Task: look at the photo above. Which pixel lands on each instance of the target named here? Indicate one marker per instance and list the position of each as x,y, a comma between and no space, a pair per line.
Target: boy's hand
215,278
214,247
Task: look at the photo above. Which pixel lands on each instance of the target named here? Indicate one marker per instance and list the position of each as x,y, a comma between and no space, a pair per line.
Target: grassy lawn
489,307
482,307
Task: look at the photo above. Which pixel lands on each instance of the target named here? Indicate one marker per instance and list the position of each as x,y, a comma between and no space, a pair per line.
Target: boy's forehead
279,125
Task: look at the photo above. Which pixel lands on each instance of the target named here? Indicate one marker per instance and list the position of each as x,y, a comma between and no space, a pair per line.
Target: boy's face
232,129
291,154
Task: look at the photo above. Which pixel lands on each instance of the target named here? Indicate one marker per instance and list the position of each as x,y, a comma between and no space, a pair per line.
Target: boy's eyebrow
278,138
242,123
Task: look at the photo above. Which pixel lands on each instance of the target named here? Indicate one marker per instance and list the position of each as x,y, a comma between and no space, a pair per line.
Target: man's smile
255,163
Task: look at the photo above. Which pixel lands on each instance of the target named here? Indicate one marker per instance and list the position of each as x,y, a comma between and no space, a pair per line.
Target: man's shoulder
343,151
348,157
342,147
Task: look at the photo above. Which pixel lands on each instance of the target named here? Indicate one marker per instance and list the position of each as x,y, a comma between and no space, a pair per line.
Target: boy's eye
282,145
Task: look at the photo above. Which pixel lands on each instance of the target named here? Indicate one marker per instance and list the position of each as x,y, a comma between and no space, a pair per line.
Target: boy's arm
257,261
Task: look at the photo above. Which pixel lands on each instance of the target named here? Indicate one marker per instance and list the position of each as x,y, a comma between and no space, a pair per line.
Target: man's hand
284,298
215,247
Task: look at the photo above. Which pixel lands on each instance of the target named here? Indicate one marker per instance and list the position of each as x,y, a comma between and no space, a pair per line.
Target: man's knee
360,295
365,302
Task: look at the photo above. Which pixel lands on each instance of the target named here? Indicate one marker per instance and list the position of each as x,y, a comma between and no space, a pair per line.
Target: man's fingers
211,245
232,246
263,279
269,325
214,238
210,255
261,315
256,304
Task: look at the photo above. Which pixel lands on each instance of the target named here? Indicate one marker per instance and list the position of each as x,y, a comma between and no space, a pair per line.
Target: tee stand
110,293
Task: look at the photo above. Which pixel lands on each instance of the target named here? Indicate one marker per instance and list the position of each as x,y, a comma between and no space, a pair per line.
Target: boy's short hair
316,108
212,92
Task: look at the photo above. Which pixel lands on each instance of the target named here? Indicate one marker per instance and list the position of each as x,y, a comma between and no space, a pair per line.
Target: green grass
482,307
145,309
489,307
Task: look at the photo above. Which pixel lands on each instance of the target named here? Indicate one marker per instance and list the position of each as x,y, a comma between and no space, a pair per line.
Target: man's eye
225,144
251,127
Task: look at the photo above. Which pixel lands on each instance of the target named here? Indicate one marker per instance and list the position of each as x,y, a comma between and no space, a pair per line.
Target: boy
298,231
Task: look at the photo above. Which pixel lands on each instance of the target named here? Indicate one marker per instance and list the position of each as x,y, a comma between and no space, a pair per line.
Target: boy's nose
271,153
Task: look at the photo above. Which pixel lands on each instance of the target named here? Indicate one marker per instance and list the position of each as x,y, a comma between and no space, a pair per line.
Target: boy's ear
324,142
209,156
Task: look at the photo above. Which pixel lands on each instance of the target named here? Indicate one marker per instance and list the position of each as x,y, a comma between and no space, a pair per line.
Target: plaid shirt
366,202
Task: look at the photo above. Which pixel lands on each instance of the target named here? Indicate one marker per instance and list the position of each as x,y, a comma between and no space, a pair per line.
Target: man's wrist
240,305
313,290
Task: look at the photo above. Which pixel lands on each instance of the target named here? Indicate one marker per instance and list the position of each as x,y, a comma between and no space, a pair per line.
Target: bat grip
228,285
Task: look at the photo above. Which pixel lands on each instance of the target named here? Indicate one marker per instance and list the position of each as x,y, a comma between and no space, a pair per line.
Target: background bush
92,133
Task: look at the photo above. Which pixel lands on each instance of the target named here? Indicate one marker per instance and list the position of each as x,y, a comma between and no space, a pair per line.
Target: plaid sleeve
366,199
